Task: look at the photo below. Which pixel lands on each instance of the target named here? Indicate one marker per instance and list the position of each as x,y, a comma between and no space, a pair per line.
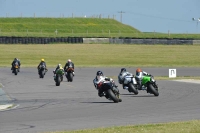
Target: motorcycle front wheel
153,90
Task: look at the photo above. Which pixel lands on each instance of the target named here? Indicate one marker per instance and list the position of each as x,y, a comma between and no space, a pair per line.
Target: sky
174,16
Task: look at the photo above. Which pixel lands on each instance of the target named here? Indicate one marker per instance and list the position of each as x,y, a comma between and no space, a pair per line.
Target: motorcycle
42,71
110,91
149,84
69,74
130,84
59,76
15,69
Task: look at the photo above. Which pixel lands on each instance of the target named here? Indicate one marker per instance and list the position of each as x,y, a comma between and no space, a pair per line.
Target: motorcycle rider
69,64
59,66
123,73
139,75
42,63
16,60
99,79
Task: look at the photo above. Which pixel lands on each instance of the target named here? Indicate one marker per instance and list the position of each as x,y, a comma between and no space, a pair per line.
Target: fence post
168,33
56,31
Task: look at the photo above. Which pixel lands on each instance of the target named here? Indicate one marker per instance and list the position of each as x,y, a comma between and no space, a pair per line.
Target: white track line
188,81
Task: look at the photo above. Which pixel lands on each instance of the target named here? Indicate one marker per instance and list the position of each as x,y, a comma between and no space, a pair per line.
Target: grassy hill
65,27
77,27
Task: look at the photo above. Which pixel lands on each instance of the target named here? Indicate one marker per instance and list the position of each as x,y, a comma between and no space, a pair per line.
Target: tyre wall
150,41
74,40
39,40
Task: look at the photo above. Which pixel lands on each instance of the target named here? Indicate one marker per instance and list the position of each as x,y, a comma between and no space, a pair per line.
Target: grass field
102,55
78,27
46,27
173,127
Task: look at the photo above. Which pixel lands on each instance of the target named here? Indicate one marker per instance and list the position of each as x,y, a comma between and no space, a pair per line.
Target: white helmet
69,60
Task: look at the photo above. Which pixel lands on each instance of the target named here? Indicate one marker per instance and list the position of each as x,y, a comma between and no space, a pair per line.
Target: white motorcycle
130,84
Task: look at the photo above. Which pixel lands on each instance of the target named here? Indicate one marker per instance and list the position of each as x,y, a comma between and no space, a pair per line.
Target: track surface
75,105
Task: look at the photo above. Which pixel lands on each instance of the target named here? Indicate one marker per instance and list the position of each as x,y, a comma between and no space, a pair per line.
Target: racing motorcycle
59,76
69,74
15,69
110,91
42,70
130,84
149,84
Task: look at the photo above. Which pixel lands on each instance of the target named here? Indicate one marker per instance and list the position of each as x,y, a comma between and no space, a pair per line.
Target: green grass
46,27
173,127
77,27
102,55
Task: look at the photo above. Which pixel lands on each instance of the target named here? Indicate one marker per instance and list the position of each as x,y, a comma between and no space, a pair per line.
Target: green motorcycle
59,76
150,85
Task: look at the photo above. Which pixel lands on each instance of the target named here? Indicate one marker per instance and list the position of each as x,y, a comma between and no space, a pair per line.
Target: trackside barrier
47,40
39,40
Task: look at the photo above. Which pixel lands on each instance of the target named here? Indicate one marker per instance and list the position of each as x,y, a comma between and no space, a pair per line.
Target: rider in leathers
99,79
122,75
69,64
139,75
15,61
59,66
42,63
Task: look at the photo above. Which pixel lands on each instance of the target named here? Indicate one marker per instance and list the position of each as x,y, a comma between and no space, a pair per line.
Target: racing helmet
138,70
99,73
123,70
69,60
59,66
42,60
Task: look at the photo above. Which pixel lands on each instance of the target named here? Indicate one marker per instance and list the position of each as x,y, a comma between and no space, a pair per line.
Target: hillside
84,27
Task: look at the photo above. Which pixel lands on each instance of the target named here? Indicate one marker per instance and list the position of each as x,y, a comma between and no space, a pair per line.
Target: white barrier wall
95,40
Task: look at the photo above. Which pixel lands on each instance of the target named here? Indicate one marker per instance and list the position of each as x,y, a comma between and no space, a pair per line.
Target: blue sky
174,16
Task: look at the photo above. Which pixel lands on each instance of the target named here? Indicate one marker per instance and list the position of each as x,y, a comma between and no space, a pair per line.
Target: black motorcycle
69,74
15,68
42,71
110,91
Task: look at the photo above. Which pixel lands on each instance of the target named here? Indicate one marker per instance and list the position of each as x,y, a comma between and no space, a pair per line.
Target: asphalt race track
40,106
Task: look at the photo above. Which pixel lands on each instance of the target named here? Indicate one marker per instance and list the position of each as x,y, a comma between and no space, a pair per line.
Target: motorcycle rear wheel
112,96
131,88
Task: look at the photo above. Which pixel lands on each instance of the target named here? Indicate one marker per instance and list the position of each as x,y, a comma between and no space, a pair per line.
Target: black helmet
15,59
99,73
123,70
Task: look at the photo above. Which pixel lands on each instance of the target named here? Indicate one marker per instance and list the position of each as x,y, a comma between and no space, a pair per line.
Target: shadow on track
97,102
